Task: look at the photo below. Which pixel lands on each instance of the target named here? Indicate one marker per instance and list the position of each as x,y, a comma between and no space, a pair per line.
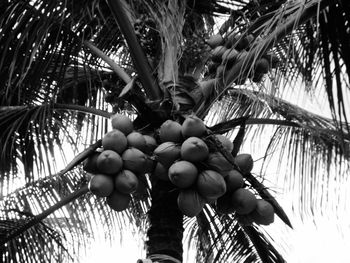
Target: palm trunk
165,223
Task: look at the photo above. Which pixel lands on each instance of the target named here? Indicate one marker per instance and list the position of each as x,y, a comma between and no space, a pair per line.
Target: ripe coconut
190,202
151,143
194,149
109,162
167,153
224,205
244,162
170,131
226,142
101,185
243,201
234,180
136,140
122,123
210,184
215,40
118,201
114,140
161,172
216,161
263,213
183,174
90,163
193,127
126,182
134,160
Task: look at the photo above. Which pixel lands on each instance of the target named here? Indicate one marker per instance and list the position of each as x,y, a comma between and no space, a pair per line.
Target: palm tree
66,66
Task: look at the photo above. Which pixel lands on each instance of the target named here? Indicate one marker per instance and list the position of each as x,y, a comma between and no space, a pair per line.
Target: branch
141,64
81,108
116,68
38,218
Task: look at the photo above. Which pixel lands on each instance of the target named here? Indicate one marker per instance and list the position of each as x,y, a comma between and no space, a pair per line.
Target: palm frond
220,238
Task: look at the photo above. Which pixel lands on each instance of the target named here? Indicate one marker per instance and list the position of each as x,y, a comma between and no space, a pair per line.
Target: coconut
90,163
234,180
229,56
161,172
151,143
243,201
149,165
118,201
134,160
216,161
136,140
210,184
114,140
190,202
167,153
224,205
170,131
122,123
194,150
244,162
207,87
193,127
226,142
215,40
126,182
262,66
101,185
109,162
183,174
216,53
263,213
142,186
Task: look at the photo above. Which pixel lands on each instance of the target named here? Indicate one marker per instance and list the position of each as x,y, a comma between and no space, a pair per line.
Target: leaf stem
141,64
116,68
38,218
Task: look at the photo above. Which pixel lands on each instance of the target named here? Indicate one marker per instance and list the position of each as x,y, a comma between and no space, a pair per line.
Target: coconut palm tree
67,66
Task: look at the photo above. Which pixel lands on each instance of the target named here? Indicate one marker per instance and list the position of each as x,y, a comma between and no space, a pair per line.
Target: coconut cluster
118,168
202,173
228,50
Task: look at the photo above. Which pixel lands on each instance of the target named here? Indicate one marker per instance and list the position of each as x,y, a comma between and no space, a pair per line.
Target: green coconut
167,153
114,140
137,140
90,163
244,162
134,160
193,127
194,149
118,201
216,161
243,201
190,203
170,131
183,174
264,213
101,185
210,184
126,182
109,162
234,180
122,123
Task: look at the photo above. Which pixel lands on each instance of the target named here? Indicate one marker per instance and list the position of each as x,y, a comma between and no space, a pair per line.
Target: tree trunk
165,222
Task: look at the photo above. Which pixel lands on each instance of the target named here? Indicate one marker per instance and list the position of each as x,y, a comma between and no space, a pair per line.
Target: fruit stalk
165,231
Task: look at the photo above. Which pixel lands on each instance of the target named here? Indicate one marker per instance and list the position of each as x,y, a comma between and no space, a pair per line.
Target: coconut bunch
201,173
227,51
118,169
